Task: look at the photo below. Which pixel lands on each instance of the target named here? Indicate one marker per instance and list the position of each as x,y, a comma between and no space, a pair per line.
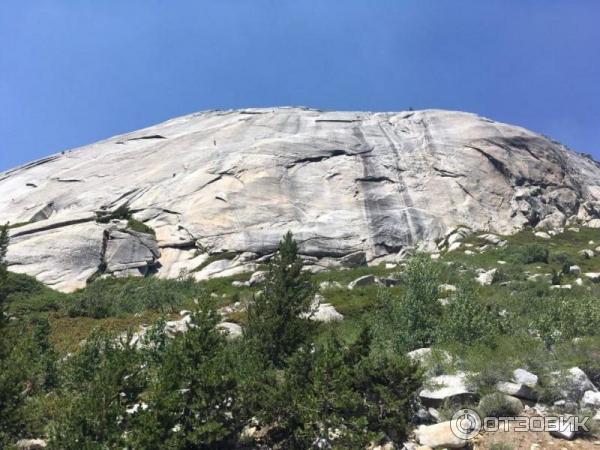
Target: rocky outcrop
354,187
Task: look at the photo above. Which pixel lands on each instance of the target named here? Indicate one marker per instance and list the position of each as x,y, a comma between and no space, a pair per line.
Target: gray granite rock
347,184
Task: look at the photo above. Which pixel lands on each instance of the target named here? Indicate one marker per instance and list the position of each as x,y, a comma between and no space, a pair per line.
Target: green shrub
409,321
140,227
526,254
341,396
124,213
562,316
498,405
564,261
24,294
467,320
118,296
99,383
194,401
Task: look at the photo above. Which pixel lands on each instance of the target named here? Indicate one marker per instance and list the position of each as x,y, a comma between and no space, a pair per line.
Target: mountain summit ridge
354,187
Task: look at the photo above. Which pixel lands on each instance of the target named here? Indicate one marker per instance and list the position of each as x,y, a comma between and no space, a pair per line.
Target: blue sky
73,72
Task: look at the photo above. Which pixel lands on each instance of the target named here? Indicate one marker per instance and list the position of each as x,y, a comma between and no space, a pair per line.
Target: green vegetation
296,382
109,297
140,227
18,224
277,324
124,213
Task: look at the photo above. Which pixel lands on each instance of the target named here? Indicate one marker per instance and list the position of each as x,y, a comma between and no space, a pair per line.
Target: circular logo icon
465,424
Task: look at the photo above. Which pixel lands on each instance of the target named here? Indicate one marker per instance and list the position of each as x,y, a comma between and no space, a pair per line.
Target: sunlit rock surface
236,181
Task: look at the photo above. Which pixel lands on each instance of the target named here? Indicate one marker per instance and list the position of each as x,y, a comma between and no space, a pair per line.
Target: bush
526,254
564,260
124,213
194,401
467,320
498,405
410,321
118,296
561,317
99,383
341,396
140,227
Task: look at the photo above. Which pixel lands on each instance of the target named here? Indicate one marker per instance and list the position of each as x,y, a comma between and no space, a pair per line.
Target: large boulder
365,280
352,186
517,390
440,435
126,249
31,444
485,278
572,383
447,388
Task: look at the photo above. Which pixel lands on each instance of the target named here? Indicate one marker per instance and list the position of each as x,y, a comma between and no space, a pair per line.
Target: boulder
446,388
233,330
257,278
542,235
522,376
454,246
586,253
493,239
365,280
515,404
591,399
517,390
126,250
593,276
485,278
174,327
426,356
439,436
387,281
324,285
31,444
560,430
326,312
443,288
575,270
355,259
321,311
572,383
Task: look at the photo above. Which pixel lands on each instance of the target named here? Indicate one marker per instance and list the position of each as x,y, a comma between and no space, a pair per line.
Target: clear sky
76,71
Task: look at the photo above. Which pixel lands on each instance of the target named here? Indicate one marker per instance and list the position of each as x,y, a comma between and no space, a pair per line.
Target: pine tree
100,382
334,395
277,319
194,403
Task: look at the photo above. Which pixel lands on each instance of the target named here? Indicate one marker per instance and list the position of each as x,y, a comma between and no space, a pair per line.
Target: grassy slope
36,300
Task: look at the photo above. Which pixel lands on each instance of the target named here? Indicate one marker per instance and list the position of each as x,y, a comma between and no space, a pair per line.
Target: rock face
346,183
